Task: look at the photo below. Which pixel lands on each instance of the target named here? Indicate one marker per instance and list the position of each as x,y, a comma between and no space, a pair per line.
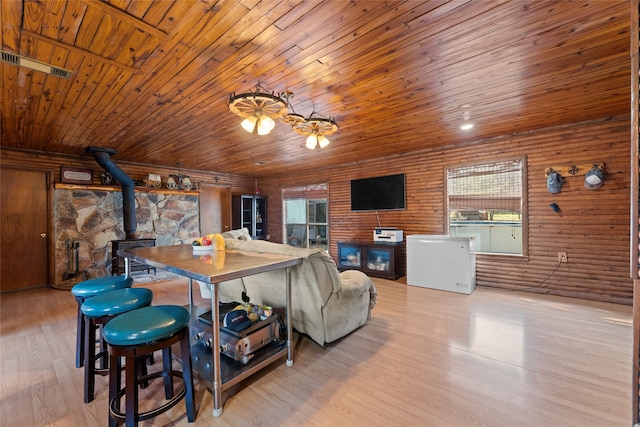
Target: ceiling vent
21,61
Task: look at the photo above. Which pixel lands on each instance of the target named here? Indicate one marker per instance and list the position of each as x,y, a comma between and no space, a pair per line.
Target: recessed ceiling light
260,163
466,126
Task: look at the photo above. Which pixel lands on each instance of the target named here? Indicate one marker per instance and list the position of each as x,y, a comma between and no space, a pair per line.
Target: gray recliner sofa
326,304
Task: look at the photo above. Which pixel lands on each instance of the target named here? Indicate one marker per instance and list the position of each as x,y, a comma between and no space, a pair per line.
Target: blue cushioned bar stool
87,289
97,312
133,335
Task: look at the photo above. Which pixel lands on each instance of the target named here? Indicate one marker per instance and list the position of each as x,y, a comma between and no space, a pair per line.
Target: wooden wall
52,162
593,226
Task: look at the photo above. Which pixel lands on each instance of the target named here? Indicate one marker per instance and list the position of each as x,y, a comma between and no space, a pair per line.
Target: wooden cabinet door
23,231
215,209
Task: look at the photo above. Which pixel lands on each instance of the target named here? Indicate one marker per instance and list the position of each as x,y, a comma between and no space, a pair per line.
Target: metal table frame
182,260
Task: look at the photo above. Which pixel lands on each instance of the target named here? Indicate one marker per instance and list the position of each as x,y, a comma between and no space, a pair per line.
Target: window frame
523,203
309,194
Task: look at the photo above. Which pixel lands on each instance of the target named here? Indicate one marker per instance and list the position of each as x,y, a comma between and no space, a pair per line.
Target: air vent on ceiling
11,58
60,72
21,61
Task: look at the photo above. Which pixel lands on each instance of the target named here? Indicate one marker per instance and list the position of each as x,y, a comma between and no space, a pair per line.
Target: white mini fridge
441,262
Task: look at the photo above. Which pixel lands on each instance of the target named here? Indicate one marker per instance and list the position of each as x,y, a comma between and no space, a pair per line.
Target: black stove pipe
103,157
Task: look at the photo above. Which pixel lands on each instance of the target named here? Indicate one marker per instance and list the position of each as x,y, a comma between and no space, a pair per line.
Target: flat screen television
378,193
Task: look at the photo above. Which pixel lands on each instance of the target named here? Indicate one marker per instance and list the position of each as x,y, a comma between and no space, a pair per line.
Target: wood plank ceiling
152,78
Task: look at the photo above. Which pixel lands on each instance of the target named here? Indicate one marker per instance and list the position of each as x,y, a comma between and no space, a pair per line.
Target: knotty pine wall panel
593,226
52,162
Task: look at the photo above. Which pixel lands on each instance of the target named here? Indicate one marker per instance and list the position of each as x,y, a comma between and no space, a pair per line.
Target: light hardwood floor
427,358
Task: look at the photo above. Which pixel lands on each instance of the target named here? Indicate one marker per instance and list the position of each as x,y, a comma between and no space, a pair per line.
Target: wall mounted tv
378,193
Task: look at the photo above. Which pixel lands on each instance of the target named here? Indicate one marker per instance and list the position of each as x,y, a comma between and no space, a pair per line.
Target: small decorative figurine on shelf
153,180
179,181
106,178
171,183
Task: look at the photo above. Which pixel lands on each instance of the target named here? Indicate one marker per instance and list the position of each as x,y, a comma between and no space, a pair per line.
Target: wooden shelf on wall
97,187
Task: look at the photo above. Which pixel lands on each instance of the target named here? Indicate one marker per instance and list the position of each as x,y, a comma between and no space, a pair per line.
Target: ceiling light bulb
311,141
322,141
466,126
265,125
249,123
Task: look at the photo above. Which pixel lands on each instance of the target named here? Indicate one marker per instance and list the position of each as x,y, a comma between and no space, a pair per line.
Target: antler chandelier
259,109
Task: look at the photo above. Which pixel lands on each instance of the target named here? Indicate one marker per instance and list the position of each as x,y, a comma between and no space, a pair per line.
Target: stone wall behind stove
93,218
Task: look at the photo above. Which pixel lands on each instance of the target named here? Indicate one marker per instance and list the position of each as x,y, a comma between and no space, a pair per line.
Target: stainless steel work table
213,268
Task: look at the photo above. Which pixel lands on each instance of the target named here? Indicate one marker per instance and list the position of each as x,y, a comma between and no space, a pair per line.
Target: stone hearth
94,218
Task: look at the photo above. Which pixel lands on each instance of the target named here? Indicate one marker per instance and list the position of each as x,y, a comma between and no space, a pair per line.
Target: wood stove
117,262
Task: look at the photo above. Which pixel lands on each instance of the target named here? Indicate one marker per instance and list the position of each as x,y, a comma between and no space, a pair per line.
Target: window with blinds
485,201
